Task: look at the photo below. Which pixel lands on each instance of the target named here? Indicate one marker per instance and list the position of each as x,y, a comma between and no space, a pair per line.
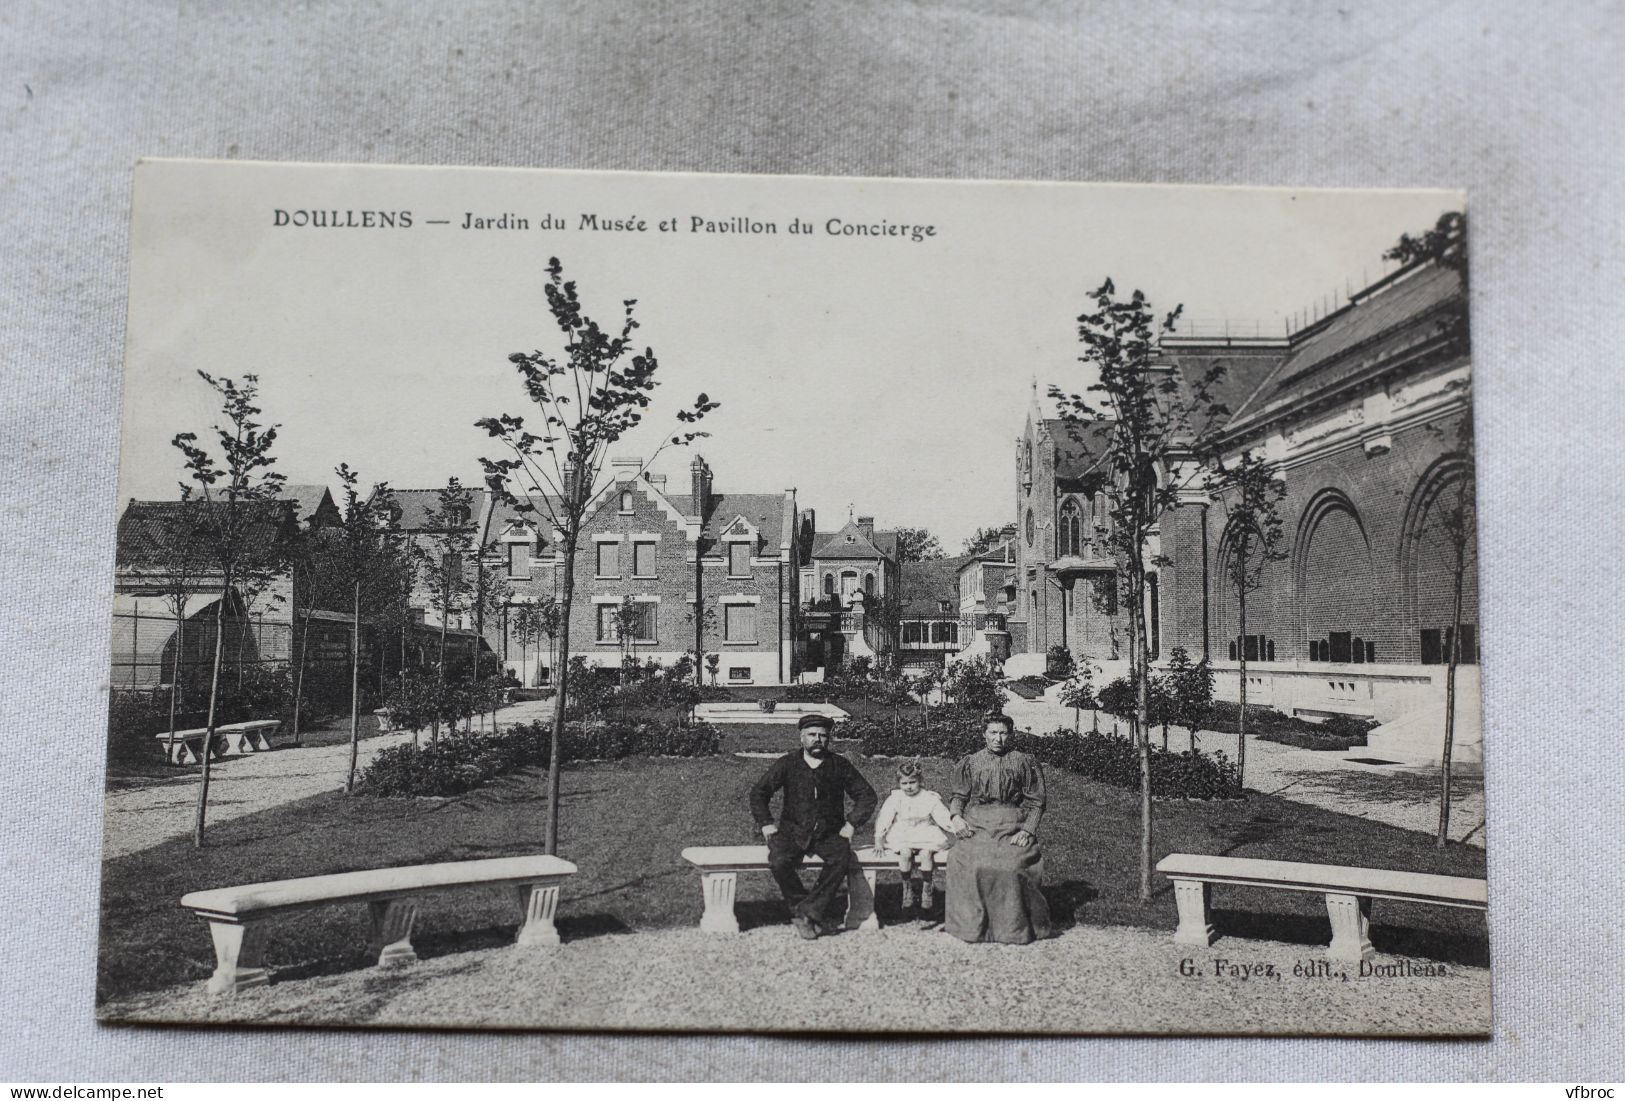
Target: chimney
866,524
700,487
656,480
626,467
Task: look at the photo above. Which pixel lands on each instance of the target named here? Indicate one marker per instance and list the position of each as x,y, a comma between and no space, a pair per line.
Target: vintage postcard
572,600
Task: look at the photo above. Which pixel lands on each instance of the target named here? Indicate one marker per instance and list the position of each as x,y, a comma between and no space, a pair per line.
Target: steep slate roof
925,585
307,499
416,504
149,531
1379,323
766,511
1076,457
833,544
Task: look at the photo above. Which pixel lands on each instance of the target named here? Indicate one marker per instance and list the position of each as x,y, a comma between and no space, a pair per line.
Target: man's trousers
784,857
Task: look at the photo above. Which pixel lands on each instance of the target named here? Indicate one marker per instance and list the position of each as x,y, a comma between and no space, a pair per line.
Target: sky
880,374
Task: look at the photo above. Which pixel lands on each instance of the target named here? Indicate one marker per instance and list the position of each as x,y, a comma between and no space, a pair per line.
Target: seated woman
994,872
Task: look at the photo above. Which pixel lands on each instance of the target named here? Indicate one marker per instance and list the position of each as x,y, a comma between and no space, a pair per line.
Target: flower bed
1338,732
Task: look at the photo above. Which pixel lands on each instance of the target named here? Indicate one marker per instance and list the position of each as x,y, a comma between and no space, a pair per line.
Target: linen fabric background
1517,102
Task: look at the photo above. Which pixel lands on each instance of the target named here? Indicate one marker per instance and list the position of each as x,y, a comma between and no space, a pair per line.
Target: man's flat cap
815,720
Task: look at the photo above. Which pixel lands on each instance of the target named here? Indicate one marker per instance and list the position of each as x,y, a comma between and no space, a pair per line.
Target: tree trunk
550,843
1450,700
1142,707
1241,653
440,664
355,685
214,695
175,673
299,678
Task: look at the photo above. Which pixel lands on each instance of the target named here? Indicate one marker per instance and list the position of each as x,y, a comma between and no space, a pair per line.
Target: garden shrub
461,762
954,732
1058,663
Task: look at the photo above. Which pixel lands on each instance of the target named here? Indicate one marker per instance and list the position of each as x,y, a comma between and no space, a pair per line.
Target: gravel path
907,978
149,812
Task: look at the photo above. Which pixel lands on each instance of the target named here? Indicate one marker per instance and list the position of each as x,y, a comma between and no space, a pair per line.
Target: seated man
812,819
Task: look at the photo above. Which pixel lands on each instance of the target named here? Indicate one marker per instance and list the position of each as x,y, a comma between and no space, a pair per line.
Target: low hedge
461,762
1102,757
1270,725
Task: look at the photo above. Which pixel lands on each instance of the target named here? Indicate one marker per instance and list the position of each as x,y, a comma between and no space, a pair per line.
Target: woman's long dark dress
993,885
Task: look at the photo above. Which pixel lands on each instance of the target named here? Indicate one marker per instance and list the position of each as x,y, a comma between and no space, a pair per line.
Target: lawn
624,823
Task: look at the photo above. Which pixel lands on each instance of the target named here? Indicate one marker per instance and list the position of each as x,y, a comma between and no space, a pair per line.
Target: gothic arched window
1071,535
1031,527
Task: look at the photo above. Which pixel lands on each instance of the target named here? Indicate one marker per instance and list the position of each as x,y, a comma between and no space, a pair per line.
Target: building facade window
1032,527
1436,645
518,559
643,560
738,559
626,501
1071,535
607,630
739,623
868,584
609,559
912,632
829,584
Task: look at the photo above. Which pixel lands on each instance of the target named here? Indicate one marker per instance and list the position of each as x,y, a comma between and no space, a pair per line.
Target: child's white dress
911,822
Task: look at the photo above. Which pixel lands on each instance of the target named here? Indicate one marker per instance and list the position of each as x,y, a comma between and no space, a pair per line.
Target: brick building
1361,413
647,559
849,589
1064,577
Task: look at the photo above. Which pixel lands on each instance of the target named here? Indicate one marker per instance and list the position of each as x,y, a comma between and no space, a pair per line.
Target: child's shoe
911,895
927,895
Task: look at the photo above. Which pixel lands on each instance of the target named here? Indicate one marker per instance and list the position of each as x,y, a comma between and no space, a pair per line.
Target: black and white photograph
556,600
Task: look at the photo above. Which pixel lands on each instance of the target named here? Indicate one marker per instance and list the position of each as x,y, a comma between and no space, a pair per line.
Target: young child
912,821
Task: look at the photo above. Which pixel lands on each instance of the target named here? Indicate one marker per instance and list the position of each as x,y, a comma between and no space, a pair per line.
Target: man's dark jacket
814,798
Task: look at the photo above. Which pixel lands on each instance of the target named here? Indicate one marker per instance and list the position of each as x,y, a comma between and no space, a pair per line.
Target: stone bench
249,737
187,748
1348,893
238,916
720,865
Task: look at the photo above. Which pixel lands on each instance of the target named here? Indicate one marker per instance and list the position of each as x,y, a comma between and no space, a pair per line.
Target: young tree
917,545
704,623
1079,693
243,543
1143,424
442,551
183,561
1190,690
587,399
366,539
1250,492
1455,509
492,595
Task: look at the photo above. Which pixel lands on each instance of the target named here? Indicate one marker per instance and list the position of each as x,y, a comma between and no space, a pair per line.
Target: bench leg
1351,927
719,889
392,920
541,903
238,952
860,900
1191,896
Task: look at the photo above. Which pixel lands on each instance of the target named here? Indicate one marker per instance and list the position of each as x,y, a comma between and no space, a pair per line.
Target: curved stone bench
237,916
1348,892
720,866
